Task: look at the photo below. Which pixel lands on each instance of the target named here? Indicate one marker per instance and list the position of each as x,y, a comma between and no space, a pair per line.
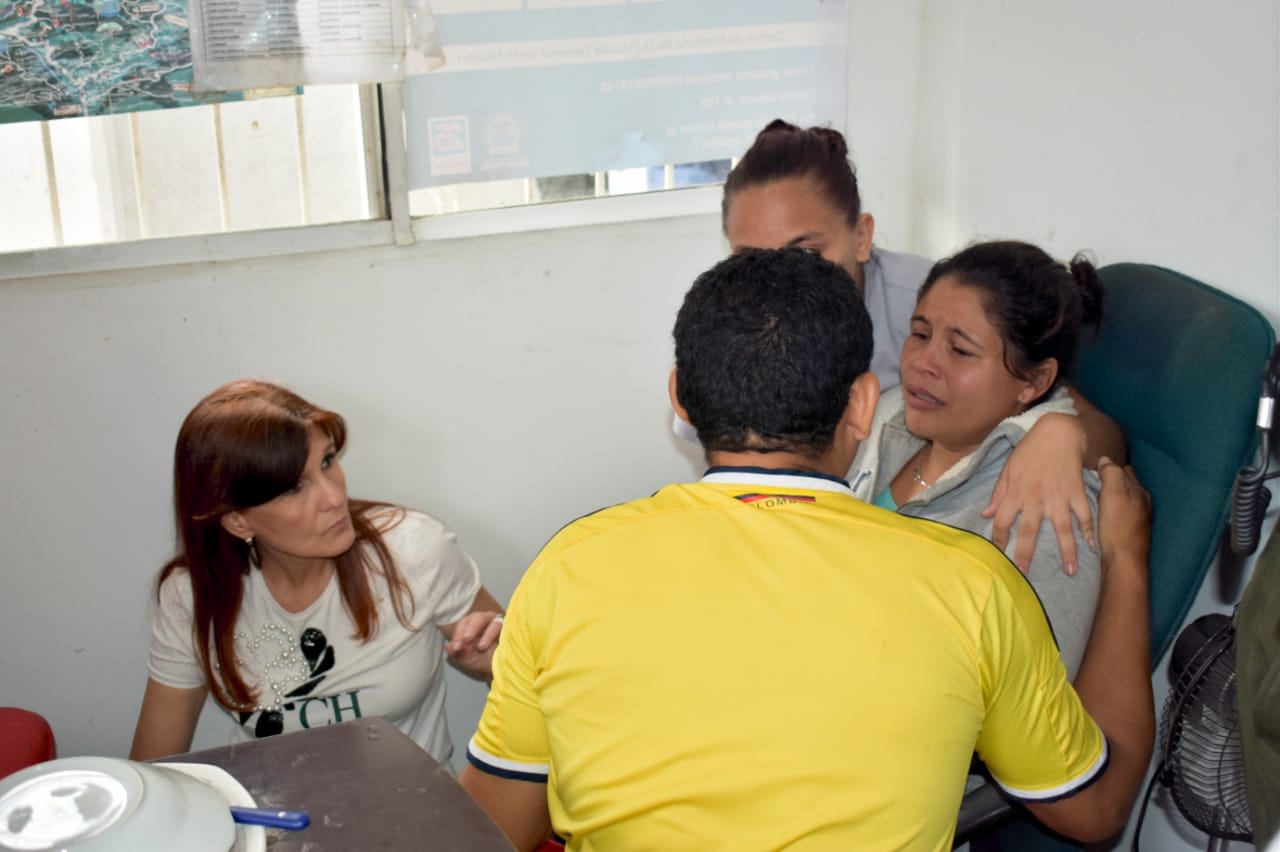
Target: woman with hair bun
293,605
993,338
797,187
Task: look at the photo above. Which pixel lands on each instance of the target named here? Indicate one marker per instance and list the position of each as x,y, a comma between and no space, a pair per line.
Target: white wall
885,68
507,384
1143,130
514,382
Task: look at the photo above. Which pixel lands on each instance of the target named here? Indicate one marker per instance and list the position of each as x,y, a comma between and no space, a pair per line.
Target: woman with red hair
293,605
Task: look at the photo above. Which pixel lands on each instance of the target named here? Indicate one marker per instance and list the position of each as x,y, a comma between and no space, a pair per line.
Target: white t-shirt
305,666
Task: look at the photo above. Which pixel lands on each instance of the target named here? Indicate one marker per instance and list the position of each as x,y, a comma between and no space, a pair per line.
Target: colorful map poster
62,58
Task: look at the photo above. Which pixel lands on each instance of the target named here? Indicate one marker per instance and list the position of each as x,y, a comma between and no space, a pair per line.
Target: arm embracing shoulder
1114,682
1103,438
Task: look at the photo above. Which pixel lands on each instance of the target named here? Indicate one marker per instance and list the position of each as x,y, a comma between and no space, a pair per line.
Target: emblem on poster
502,135
450,145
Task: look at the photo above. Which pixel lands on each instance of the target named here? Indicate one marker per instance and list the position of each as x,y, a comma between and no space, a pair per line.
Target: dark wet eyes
958,350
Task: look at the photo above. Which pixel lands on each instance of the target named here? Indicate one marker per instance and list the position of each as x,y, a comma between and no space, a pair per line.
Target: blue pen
271,818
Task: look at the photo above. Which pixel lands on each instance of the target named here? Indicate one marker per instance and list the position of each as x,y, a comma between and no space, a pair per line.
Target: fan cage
1202,762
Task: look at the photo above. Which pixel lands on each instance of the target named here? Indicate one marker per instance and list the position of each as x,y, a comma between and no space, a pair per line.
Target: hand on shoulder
1043,479
1124,517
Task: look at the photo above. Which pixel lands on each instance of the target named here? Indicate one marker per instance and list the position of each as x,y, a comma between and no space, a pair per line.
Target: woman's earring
248,542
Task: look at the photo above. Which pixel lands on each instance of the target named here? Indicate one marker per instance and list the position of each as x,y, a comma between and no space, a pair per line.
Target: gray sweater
958,497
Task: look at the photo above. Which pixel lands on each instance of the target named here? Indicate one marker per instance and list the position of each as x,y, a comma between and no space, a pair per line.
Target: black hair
768,343
1038,306
783,150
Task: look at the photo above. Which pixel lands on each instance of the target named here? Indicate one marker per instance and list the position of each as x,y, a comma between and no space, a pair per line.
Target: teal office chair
1178,366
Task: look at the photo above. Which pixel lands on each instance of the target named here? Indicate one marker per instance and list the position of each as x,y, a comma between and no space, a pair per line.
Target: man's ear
864,393
235,523
675,397
1043,375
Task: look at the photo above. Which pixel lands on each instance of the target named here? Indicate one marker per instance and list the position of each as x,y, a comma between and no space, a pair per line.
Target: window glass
242,165
487,195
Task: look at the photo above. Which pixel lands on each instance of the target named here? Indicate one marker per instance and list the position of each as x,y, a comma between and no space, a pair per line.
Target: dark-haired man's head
771,350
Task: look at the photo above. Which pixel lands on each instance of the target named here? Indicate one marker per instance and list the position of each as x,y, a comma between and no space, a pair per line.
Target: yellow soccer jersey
762,661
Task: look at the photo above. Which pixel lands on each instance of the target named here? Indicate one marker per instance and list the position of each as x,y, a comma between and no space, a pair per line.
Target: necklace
921,458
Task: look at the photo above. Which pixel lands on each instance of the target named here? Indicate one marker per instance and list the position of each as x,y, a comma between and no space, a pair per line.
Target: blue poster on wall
536,88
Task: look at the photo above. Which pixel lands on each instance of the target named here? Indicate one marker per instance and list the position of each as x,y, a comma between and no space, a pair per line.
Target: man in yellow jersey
760,661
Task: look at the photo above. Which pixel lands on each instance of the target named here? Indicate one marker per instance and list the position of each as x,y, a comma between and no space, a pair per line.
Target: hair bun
783,151
1092,290
834,138
778,125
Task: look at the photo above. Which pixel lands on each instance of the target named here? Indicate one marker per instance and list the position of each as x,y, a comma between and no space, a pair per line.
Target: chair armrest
980,811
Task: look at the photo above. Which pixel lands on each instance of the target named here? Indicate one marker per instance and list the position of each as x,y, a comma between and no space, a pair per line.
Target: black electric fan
1200,758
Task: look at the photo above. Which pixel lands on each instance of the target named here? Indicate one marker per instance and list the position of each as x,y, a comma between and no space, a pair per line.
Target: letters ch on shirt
310,711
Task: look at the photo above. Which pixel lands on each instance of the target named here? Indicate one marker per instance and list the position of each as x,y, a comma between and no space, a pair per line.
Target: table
366,786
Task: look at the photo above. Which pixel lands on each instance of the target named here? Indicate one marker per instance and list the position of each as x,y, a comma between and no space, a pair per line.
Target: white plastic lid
60,807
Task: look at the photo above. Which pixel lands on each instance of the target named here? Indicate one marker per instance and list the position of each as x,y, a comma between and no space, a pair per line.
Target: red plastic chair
25,740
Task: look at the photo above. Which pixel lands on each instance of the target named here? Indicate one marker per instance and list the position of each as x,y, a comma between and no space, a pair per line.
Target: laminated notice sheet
239,44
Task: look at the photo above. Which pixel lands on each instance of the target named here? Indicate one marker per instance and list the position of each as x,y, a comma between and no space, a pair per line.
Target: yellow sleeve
511,740
1037,740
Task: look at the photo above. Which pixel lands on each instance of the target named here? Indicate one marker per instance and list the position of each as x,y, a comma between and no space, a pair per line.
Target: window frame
387,162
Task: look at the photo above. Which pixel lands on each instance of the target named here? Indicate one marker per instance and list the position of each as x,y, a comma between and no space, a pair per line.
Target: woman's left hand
472,640
1043,478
